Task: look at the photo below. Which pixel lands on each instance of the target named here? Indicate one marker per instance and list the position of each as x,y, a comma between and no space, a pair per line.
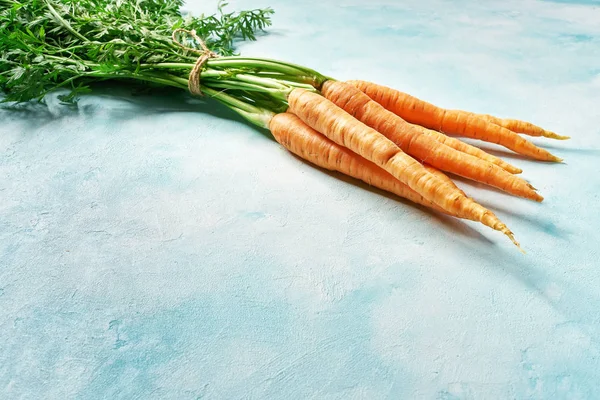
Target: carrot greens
45,45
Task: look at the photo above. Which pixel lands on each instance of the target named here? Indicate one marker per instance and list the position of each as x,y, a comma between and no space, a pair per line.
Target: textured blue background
162,248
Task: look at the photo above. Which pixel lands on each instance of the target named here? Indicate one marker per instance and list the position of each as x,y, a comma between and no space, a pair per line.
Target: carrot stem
256,115
311,76
232,84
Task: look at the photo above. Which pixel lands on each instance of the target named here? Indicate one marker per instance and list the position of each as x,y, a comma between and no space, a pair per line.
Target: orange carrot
454,122
310,145
441,175
467,148
525,127
423,147
340,127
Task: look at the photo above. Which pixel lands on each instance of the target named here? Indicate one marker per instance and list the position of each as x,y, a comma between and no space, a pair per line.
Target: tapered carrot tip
550,157
489,219
515,171
556,136
511,236
536,196
508,167
504,229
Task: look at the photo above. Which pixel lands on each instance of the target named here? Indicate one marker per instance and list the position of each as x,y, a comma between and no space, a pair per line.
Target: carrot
467,148
453,122
340,127
519,126
441,175
423,147
310,145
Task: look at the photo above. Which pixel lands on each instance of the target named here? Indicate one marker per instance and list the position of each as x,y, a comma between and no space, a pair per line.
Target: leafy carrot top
48,44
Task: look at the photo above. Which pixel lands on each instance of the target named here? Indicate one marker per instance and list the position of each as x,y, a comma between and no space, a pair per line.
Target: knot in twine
205,54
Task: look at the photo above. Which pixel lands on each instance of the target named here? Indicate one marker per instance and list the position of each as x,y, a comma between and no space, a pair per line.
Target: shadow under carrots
453,224
547,226
122,102
575,150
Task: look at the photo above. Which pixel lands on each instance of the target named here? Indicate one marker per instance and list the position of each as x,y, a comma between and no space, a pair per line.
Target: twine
205,54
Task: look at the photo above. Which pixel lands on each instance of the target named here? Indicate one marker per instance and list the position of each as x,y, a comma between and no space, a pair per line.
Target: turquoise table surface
162,248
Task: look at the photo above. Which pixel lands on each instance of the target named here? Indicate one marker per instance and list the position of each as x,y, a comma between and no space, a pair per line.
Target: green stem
256,115
70,61
169,81
266,82
246,67
255,67
68,49
162,80
244,63
277,94
229,100
187,66
264,101
181,81
316,79
297,82
230,84
63,22
237,85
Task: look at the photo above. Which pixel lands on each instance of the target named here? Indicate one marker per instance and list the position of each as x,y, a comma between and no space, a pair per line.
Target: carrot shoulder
339,126
310,145
423,147
454,122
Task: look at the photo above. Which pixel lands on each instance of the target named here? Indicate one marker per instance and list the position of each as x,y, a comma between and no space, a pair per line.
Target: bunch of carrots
384,137
398,143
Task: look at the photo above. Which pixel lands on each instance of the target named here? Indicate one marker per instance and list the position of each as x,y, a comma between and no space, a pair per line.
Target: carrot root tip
511,236
556,136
